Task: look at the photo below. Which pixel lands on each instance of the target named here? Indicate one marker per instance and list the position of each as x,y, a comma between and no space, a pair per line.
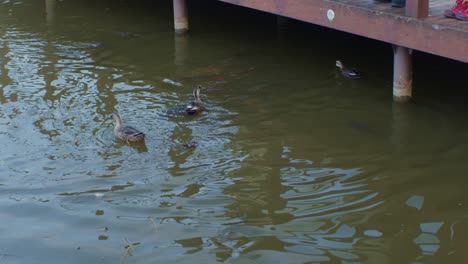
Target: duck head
116,116
196,106
339,64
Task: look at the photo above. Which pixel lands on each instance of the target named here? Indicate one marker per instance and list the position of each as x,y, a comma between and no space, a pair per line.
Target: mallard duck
127,133
196,106
350,73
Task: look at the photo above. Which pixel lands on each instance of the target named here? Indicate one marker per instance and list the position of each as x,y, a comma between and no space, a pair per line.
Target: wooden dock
434,34
418,26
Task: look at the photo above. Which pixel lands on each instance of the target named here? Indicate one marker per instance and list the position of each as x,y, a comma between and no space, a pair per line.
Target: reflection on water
292,163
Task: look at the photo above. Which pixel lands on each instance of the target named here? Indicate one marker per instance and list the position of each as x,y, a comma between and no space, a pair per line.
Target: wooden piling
180,16
402,73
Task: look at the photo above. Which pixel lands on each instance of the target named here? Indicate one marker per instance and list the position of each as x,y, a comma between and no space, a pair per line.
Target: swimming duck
350,73
191,144
127,133
196,106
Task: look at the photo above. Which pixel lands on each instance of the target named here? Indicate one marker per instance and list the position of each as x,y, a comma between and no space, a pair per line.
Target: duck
350,73
196,106
127,133
191,144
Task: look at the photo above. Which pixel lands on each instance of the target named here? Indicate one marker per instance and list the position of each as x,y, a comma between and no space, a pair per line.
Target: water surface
294,164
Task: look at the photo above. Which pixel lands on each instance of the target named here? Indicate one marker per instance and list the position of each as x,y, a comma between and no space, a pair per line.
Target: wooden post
417,8
50,11
402,73
180,16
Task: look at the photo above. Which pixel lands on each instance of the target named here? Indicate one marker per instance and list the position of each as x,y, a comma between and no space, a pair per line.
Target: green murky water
294,164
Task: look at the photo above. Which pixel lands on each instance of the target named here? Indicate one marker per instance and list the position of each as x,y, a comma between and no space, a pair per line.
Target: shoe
452,12
462,13
449,13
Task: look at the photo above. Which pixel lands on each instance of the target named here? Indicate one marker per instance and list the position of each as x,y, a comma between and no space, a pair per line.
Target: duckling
127,133
196,106
350,73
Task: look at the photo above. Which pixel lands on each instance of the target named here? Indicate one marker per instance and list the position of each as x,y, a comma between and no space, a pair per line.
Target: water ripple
290,165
